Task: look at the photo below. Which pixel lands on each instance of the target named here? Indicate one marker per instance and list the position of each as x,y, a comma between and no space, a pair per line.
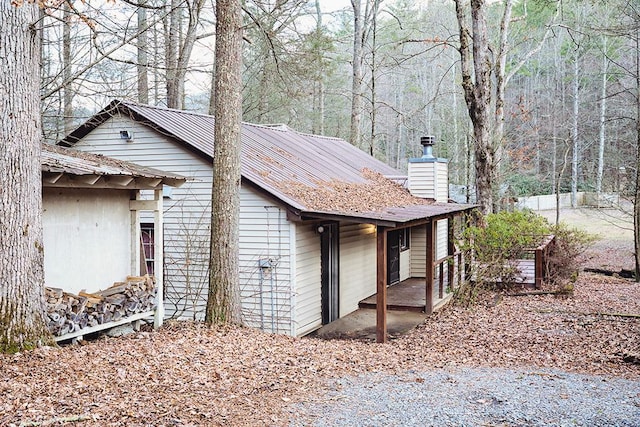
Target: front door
330,292
393,257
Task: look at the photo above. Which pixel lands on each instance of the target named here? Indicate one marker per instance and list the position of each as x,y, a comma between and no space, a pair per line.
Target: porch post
135,237
158,256
451,252
381,284
428,309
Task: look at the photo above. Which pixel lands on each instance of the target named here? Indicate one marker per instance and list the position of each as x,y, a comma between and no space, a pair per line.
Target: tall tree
476,69
22,323
479,70
225,201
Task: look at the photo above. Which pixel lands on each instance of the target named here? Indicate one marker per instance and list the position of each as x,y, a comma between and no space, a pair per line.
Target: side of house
311,212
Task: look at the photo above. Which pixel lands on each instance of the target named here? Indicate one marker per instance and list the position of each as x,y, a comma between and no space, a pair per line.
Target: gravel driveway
476,397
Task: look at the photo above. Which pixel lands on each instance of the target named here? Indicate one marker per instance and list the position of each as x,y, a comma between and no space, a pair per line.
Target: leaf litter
187,374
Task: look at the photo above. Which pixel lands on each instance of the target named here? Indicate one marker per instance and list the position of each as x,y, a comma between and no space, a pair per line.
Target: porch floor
408,295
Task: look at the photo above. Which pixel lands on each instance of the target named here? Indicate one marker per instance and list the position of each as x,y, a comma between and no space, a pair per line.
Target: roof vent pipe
427,146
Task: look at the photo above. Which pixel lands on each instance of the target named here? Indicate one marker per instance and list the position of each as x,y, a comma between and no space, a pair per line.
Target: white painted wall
418,250
405,263
357,265
87,243
265,263
307,284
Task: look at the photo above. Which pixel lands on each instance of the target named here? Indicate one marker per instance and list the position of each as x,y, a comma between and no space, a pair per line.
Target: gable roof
316,176
62,167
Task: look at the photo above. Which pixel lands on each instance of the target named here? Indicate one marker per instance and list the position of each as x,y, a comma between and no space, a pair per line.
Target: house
91,226
323,225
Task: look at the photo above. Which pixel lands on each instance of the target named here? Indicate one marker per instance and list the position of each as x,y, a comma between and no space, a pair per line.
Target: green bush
504,238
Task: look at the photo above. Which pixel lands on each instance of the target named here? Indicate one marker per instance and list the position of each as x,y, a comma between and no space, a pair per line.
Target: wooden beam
103,326
539,268
451,250
381,285
429,270
158,256
135,235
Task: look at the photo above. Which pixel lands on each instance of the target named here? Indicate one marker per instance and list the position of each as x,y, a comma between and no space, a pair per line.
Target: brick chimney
429,175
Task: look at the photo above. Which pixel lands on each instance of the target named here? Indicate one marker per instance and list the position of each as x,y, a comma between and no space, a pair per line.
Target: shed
323,225
91,222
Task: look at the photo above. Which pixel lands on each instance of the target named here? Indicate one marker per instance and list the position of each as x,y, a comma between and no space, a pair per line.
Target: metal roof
274,156
99,171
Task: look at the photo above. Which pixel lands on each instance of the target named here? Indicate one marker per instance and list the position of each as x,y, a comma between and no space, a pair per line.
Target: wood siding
87,243
357,265
308,303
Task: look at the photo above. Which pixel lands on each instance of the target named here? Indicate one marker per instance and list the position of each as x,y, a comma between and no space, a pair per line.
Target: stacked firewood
67,312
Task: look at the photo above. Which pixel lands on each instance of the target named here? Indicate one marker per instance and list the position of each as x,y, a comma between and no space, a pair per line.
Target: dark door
330,269
393,257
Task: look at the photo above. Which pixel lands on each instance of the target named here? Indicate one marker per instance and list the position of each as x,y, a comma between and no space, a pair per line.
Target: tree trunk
574,131
356,82
222,304
66,70
143,58
22,323
475,62
636,198
603,110
172,40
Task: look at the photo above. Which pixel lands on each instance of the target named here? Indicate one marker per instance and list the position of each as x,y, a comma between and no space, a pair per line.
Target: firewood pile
67,312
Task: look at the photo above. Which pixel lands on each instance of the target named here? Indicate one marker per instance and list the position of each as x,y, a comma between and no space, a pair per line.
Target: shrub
506,237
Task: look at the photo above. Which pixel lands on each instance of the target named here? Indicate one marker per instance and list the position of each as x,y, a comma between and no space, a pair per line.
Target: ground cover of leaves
188,374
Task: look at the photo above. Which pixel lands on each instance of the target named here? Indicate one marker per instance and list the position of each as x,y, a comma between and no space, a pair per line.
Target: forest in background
379,73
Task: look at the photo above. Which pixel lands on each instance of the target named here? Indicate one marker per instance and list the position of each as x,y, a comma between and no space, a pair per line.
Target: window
405,238
147,237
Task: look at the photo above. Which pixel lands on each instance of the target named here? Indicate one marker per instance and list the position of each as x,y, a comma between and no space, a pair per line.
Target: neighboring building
90,218
313,213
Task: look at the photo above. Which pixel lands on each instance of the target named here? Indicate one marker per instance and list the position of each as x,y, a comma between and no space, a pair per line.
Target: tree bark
475,62
143,57
356,76
222,304
22,323
66,70
574,130
603,111
636,198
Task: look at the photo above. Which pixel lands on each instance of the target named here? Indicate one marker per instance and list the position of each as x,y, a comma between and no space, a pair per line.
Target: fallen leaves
188,374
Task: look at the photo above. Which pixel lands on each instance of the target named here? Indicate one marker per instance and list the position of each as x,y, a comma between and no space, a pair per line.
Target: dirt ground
613,249
186,374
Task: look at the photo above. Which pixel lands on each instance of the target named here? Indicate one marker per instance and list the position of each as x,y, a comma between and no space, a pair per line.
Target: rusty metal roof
273,157
98,170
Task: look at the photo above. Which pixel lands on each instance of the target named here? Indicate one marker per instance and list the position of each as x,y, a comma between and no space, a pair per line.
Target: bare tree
22,323
479,69
222,305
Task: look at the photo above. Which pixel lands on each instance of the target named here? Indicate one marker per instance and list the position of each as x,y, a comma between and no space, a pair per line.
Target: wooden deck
408,295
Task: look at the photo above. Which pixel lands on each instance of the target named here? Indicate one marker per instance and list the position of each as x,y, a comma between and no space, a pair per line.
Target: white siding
263,229
442,190
419,245
422,179
87,243
442,234
405,264
265,269
418,250
307,280
357,265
